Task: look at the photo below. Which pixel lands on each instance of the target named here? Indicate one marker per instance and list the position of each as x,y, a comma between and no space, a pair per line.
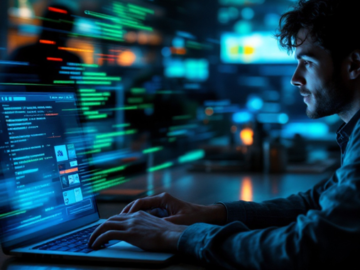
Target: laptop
48,206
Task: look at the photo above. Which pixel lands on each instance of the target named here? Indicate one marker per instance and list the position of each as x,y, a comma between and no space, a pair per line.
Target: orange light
74,49
180,51
246,191
143,38
51,114
131,37
209,111
126,58
54,59
69,171
58,10
106,55
247,136
43,41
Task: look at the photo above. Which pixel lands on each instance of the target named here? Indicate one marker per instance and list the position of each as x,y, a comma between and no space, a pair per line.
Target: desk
201,188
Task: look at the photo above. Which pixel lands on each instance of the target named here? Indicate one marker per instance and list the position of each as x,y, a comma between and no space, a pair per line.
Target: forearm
277,212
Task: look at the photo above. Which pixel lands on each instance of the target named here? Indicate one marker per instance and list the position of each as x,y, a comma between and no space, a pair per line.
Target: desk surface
201,188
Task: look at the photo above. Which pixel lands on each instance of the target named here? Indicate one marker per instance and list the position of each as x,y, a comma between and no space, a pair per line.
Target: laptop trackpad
126,251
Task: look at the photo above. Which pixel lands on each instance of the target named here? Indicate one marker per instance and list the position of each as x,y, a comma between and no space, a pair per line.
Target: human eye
307,63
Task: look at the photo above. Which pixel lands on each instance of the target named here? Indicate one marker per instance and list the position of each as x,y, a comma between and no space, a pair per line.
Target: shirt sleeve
277,212
324,238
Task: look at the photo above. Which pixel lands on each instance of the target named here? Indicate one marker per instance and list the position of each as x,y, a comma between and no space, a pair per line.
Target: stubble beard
334,98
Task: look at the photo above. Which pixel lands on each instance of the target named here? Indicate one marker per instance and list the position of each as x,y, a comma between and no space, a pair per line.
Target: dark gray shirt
317,229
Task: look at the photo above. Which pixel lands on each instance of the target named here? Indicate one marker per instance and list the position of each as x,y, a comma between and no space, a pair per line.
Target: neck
352,109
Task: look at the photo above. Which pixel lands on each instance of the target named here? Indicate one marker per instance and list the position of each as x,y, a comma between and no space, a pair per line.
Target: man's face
321,87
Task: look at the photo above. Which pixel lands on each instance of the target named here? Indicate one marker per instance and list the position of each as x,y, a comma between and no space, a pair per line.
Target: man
318,229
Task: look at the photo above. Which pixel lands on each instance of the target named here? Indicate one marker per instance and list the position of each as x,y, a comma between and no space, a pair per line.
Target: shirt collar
346,129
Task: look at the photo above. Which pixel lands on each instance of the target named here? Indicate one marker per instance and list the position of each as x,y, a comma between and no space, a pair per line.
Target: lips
305,94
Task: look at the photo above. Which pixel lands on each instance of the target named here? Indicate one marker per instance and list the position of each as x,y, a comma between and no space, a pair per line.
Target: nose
298,79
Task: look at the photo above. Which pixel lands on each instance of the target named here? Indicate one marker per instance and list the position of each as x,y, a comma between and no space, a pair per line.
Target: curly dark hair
333,24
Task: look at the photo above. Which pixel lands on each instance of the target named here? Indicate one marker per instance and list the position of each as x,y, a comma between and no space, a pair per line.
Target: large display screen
254,48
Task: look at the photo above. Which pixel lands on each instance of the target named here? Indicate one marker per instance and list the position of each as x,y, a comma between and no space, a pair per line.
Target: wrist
173,237
217,214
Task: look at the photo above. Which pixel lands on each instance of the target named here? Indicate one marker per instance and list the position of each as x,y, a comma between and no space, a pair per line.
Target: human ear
354,65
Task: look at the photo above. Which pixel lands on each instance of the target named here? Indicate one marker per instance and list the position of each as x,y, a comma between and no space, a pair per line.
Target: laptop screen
43,161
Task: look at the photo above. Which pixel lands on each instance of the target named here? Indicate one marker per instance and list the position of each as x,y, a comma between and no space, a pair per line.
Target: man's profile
317,229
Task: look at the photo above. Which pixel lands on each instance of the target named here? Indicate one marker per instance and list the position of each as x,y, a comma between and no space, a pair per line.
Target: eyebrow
306,54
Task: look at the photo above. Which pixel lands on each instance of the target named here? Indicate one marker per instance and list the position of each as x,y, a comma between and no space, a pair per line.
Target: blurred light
233,12
143,38
22,12
233,129
283,118
180,51
54,59
243,27
310,130
192,156
74,49
273,118
209,111
247,13
126,58
178,42
196,69
174,68
332,119
242,117
185,35
253,48
166,52
254,103
247,136
246,190
271,20
43,41
131,37
14,63
58,10
271,107
160,167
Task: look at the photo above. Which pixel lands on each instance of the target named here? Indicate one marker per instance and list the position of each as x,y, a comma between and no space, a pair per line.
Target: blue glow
178,42
313,130
166,52
254,103
283,118
242,117
273,118
196,69
14,63
247,13
174,68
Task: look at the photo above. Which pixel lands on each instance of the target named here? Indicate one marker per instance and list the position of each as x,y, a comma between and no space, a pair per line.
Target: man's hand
180,212
139,229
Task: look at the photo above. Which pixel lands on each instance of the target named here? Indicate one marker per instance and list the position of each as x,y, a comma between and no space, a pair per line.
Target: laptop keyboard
76,242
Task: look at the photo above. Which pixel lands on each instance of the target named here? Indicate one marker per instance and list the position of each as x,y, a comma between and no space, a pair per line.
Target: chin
313,114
